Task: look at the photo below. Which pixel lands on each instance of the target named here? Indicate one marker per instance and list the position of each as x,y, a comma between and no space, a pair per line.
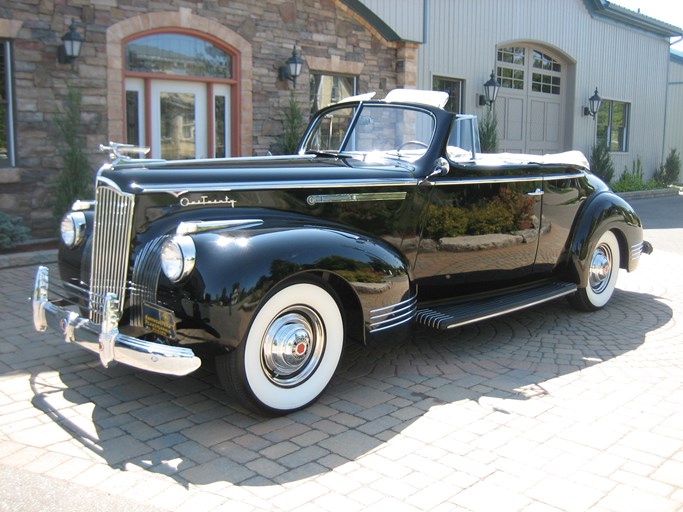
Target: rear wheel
601,274
291,351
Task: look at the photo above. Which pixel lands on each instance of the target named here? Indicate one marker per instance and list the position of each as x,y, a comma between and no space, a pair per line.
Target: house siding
625,62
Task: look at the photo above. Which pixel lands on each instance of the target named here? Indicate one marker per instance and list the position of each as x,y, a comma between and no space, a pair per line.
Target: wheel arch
604,212
234,280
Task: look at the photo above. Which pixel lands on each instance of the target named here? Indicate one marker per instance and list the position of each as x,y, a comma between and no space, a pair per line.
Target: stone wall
332,38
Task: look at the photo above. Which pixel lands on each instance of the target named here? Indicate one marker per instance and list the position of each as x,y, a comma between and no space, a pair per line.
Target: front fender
235,270
605,211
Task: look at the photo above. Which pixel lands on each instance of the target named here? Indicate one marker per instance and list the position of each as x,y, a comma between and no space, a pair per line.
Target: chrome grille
145,279
110,247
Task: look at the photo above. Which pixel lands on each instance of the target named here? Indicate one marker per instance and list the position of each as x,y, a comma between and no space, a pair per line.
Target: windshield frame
358,109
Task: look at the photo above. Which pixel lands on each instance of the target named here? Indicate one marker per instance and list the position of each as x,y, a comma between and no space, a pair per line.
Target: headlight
73,229
178,256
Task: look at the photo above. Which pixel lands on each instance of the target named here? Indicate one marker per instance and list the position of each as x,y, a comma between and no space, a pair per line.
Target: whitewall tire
291,351
602,271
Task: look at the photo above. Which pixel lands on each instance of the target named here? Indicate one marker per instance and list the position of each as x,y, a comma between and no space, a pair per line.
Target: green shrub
601,162
631,181
11,231
668,172
294,125
74,179
488,132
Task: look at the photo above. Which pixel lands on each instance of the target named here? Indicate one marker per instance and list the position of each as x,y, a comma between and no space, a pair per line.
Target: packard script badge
206,201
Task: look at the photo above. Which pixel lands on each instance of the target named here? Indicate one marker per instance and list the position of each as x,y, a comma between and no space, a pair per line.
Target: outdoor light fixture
71,45
292,68
593,104
491,87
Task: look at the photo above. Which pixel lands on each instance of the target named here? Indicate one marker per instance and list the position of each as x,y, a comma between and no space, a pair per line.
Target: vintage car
388,216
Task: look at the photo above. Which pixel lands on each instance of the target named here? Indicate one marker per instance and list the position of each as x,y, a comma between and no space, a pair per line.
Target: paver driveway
546,409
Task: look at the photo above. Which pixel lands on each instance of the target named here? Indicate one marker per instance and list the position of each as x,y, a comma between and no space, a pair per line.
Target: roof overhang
375,21
611,11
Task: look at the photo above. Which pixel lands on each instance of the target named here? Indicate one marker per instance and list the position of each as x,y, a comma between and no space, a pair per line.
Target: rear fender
603,212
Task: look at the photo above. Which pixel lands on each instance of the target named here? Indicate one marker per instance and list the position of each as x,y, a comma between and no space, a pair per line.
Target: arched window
179,95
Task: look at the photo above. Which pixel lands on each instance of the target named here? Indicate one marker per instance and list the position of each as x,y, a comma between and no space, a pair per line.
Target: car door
480,230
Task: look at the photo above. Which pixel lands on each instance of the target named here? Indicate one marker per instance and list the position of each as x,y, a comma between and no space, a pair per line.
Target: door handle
535,193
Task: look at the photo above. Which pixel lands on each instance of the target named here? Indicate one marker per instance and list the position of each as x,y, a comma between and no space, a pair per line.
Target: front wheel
602,272
291,351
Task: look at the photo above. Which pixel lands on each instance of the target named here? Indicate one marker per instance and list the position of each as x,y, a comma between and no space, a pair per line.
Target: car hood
252,173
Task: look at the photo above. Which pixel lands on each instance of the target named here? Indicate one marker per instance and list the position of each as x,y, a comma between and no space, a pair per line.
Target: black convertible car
387,216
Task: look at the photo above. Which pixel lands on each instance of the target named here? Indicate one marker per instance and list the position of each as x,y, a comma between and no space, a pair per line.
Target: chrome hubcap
292,346
601,268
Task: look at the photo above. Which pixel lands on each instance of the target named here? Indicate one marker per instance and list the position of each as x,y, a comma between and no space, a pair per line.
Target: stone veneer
331,36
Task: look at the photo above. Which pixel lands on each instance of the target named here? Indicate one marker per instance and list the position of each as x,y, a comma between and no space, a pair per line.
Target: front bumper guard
105,339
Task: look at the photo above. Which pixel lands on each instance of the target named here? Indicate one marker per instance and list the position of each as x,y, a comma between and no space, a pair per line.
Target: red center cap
300,348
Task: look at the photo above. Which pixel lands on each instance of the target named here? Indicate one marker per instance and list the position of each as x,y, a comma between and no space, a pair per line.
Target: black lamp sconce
70,48
291,70
491,87
593,105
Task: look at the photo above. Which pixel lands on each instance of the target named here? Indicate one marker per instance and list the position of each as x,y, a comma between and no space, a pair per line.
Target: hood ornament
118,151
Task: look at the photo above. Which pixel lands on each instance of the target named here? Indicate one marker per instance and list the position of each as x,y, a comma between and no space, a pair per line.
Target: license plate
159,320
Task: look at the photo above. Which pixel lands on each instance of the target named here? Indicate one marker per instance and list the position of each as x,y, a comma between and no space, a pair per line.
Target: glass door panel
221,112
178,120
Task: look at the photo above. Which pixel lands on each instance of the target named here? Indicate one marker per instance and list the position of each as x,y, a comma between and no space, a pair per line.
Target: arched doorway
178,95
531,101
237,97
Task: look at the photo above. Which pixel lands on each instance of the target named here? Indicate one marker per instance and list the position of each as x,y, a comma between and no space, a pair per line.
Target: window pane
543,61
328,89
602,128
177,125
4,105
618,129
177,54
545,83
510,78
612,125
454,90
132,117
329,133
219,126
511,55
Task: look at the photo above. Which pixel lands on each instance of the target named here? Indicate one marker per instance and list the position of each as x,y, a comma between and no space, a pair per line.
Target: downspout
425,20
666,95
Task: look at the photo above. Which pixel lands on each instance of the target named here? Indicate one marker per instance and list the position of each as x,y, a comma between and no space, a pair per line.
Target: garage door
530,101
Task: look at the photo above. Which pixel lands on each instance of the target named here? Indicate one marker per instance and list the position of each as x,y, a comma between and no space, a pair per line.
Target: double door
177,118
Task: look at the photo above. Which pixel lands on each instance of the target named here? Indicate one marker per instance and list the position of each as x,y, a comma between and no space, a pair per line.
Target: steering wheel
412,143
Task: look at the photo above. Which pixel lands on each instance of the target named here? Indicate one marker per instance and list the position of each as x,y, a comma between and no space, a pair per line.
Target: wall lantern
491,87
292,68
71,45
593,104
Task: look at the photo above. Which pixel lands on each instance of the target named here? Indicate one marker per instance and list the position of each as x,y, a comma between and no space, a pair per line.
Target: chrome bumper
105,339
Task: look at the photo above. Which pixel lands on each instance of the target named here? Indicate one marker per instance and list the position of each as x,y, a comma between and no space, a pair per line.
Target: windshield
373,128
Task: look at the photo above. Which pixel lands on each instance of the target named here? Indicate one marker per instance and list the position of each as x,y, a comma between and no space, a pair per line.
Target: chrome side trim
354,198
183,188
636,251
392,316
106,340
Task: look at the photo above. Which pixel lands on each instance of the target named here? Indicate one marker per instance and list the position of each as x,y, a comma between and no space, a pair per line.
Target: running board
448,316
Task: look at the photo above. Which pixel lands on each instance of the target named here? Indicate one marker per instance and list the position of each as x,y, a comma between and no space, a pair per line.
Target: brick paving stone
546,409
